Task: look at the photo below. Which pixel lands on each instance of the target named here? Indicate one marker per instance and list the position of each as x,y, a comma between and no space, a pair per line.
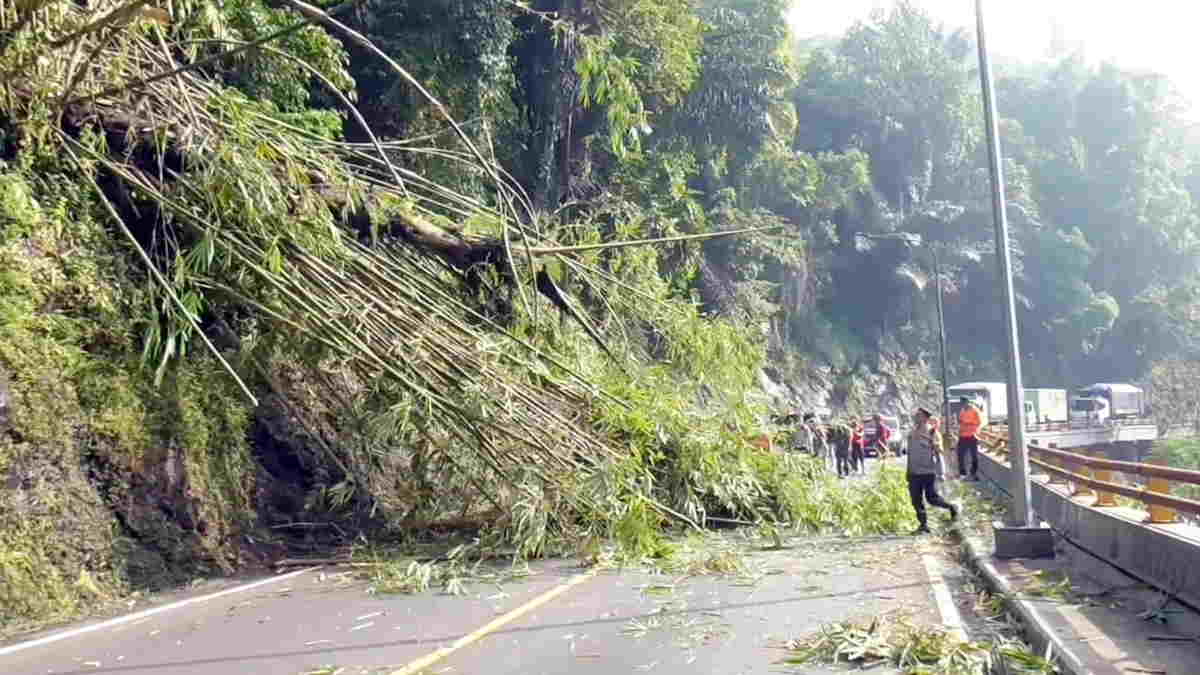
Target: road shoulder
1094,618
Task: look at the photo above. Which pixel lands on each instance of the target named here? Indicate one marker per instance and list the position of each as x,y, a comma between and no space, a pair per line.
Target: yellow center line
493,625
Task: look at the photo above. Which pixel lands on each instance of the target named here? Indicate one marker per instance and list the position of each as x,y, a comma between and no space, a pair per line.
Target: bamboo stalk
548,250
112,211
196,65
123,12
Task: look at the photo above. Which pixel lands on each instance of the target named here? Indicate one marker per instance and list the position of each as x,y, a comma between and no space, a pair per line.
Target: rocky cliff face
894,386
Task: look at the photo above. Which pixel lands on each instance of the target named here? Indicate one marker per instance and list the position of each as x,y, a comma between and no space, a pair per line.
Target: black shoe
924,529
953,513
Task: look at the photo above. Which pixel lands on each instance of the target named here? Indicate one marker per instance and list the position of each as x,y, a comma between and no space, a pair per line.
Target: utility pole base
1034,541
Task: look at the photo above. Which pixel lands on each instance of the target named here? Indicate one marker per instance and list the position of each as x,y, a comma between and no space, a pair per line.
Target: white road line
951,619
75,632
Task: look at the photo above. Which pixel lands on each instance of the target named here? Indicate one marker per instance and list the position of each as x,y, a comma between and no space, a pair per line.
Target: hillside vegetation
282,275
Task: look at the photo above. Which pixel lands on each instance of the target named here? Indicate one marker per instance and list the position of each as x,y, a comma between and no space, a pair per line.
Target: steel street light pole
1021,511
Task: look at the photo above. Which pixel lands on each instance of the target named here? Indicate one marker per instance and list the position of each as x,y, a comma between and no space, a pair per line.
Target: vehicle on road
1086,410
1110,401
1093,403
990,398
869,432
1043,406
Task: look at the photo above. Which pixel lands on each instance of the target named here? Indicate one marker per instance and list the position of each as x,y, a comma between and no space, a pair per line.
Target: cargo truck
991,398
1103,401
1045,405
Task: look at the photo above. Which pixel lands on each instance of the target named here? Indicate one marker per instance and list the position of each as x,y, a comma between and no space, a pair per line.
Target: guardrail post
1060,463
1103,498
1002,447
996,445
1031,452
1081,490
1159,515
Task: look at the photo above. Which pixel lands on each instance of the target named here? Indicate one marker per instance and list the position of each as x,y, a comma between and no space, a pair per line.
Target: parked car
895,439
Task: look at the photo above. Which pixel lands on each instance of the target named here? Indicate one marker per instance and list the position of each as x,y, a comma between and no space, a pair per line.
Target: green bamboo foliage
246,207
420,405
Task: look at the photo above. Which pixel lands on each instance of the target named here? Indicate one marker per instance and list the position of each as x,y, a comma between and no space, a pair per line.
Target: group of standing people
847,441
843,444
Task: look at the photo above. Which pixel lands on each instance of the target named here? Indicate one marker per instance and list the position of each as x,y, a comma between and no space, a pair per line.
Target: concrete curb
1038,632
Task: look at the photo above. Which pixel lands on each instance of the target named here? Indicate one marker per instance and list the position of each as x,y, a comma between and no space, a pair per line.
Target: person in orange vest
968,444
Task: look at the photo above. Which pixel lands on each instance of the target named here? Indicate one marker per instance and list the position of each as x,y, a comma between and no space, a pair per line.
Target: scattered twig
1173,638
546,250
302,562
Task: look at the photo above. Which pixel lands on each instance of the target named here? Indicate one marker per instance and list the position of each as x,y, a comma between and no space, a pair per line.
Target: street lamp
1022,536
914,240
1021,513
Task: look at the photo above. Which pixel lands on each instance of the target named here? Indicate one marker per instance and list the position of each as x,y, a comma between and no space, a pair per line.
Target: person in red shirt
882,436
858,459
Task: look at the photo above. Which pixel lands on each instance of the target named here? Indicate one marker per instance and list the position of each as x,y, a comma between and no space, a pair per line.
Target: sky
1157,35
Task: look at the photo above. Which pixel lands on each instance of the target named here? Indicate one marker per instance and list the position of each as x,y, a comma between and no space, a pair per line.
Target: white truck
991,398
1045,405
1102,402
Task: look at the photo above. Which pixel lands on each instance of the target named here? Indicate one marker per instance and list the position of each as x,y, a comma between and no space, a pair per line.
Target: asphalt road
289,627
628,621
550,623
619,623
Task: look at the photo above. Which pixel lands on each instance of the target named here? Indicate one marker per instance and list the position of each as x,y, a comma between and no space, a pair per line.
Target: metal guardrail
1080,425
1088,473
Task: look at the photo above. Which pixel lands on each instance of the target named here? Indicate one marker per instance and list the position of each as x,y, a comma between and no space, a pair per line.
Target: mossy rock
56,537
107,480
